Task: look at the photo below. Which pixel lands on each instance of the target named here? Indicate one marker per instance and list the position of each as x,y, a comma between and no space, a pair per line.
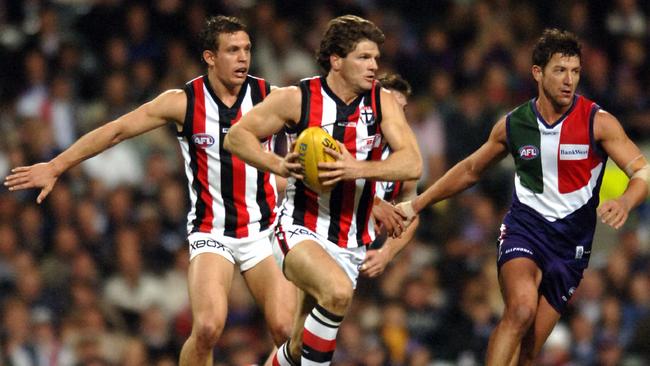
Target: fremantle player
560,142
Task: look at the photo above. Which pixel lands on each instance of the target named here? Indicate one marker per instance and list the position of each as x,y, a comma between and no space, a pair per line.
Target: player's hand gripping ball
310,146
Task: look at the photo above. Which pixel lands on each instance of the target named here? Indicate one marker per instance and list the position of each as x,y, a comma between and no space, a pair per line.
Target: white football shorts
288,236
244,252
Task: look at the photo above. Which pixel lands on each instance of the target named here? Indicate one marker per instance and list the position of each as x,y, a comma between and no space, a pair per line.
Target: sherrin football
310,146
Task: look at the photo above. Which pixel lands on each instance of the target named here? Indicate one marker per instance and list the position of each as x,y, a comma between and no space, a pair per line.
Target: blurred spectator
31,100
131,290
16,327
394,331
143,43
47,346
626,19
557,347
583,347
467,126
174,284
427,124
278,59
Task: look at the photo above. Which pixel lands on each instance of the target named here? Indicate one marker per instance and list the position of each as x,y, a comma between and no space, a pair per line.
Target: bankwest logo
528,152
573,152
202,140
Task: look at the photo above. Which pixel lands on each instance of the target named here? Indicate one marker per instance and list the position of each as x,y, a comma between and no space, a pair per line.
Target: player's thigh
209,281
271,290
519,279
314,270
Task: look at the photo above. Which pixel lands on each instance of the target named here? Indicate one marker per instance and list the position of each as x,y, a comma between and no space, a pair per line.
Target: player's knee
207,331
338,297
520,315
280,330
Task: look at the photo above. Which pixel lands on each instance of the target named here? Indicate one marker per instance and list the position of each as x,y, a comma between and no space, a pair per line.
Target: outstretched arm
609,132
282,106
168,106
466,173
377,259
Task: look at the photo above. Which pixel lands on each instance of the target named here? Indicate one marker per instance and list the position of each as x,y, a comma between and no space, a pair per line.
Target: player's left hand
614,212
375,263
344,168
290,165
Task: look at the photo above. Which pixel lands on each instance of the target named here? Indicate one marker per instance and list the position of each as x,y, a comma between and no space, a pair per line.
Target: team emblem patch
528,152
202,140
366,115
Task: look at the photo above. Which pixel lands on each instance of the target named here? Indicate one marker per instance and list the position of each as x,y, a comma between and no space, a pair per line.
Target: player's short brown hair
342,35
216,25
554,41
394,81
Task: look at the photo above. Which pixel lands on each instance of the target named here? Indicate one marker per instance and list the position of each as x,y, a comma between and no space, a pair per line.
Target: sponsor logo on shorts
572,290
518,249
528,152
580,250
502,232
301,231
208,243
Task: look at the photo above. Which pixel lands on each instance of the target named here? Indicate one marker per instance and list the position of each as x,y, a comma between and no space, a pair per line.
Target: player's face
559,79
359,67
233,58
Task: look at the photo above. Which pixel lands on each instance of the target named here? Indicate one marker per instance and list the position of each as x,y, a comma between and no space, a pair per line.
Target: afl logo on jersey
202,140
528,152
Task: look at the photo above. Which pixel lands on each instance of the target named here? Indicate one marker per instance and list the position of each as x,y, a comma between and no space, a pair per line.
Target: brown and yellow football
310,146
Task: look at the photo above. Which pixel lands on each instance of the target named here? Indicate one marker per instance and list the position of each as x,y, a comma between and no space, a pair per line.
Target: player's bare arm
377,260
466,173
609,132
280,108
168,106
404,162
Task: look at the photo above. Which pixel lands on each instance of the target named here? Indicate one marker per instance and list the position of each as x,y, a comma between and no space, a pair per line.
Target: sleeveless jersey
228,197
559,167
342,215
388,191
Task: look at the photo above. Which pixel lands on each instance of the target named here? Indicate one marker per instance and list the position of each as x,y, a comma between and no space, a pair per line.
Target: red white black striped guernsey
228,197
342,215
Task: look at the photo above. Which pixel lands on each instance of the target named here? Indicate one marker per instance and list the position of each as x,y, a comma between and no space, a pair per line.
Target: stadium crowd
96,275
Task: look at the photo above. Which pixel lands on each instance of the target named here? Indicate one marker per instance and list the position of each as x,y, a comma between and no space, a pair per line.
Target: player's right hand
42,175
291,167
375,263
